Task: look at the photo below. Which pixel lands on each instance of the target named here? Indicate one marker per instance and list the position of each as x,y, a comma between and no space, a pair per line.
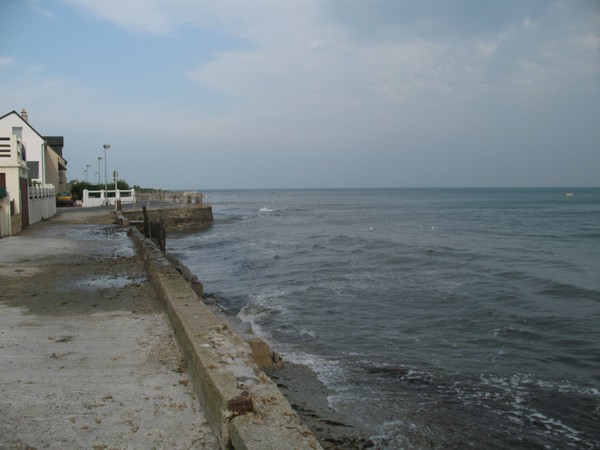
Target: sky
233,94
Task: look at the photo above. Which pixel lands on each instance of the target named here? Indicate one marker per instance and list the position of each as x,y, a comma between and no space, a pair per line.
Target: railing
108,197
7,155
41,191
42,202
5,147
163,196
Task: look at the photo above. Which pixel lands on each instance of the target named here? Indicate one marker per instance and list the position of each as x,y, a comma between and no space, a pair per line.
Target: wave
552,288
569,291
449,312
540,412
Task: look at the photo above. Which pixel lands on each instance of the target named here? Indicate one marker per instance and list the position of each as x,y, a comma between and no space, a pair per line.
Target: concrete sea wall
244,407
176,217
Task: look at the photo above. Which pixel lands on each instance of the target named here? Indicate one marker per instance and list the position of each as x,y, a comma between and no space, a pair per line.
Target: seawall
244,407
176,217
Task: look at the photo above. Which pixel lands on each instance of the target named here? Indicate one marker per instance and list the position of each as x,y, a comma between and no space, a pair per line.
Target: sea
437,318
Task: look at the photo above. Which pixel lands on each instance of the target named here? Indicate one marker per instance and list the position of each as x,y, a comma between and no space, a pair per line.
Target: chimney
24,115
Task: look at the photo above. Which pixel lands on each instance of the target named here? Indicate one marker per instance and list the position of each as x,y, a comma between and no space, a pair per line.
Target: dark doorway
24,203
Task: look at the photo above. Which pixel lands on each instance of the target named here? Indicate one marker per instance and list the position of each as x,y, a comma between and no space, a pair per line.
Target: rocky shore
308,397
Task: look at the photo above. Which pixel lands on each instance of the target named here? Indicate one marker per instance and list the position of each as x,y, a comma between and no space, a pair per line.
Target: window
34,169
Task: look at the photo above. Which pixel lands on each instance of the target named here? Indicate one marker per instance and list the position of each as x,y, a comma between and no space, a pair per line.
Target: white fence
5,216
42,202
164,196
109,197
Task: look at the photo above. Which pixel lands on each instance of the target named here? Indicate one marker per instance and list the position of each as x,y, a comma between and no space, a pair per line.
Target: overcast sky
199,94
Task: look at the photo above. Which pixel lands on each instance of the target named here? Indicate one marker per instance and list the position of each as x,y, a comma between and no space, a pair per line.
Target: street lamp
99,159
106,147
87,172
115,176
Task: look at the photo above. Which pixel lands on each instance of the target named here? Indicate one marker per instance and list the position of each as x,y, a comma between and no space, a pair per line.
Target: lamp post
87,172
117,196
99,159
106,147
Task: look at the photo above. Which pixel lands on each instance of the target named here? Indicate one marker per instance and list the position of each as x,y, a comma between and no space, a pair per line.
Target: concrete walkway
87,357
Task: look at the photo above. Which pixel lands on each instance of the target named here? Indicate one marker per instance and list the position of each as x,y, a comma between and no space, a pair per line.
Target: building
31,172
42,154
14,196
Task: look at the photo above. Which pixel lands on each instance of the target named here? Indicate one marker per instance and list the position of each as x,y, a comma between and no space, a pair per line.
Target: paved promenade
87,356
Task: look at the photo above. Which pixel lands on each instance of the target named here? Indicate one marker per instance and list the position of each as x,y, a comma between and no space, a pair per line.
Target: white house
14,197
43,154
31,171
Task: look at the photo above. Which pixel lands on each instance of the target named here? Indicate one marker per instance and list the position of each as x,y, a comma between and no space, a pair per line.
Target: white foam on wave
259,307
328,371
524,413
310,333
555,427
521,381
392,433
251,317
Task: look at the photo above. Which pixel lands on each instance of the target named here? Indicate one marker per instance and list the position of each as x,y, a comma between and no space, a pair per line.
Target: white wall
42,203
14,168
101,198
33,143
5,223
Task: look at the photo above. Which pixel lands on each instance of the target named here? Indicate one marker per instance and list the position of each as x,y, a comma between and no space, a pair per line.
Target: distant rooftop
56,142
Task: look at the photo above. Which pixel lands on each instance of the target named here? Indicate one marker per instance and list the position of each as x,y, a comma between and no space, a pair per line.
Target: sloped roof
56,139
56,142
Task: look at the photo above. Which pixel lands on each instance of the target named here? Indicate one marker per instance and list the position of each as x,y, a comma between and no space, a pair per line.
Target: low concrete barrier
244,407
121,219
176,217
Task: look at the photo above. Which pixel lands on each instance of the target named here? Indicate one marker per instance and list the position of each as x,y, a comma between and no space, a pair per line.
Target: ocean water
439,318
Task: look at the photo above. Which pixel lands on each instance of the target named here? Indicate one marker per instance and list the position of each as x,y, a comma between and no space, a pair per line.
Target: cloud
591,42
36,6
163,17
6,61
528,23
379,83
311,56
134,15
487,48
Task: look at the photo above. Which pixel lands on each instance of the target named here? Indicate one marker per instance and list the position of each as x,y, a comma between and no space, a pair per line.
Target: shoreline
243,405
298,383
308,397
